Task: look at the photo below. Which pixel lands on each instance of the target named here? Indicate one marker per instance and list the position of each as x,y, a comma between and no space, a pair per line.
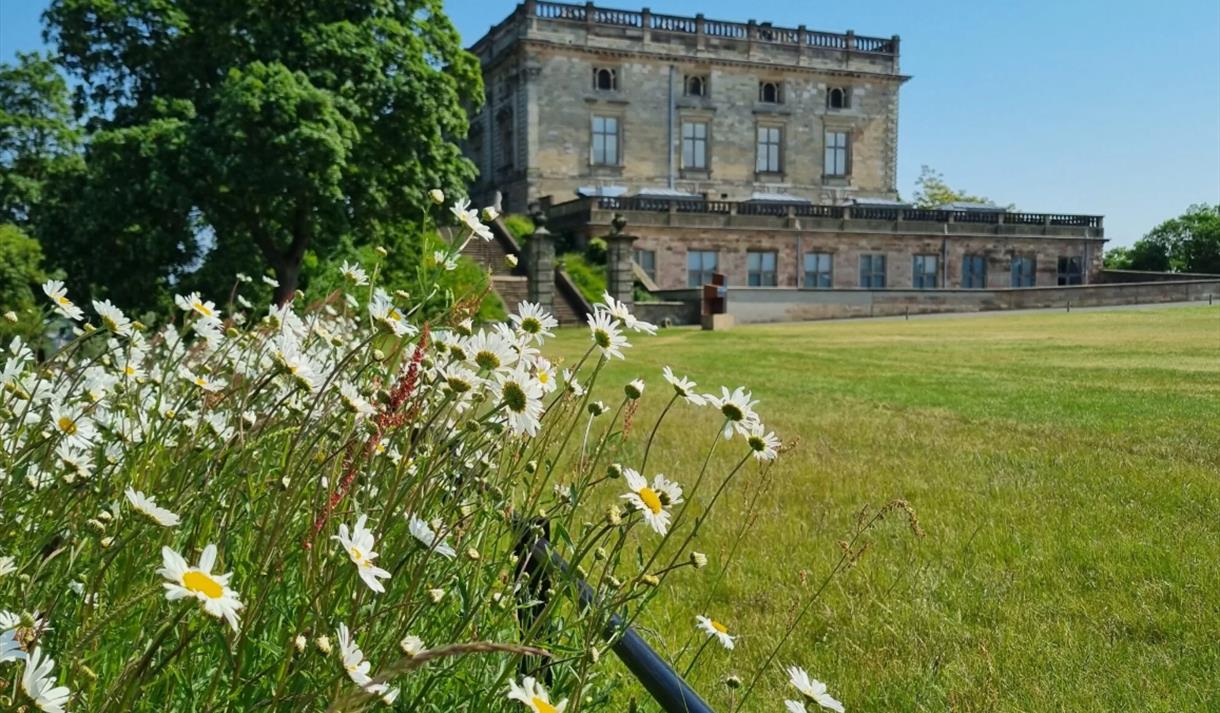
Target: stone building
763,152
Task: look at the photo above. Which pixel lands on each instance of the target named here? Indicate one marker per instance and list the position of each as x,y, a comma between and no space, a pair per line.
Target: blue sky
1081,106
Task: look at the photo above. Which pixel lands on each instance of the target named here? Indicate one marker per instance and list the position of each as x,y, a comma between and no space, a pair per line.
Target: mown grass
1065,469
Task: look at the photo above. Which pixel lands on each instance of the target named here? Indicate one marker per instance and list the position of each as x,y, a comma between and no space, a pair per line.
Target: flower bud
634,389
11,316
698,559
490,213
597,408
614,516
615,471
732,681
381,251
411,645
436,595
437,196
323,644
650,580
299,644
511,260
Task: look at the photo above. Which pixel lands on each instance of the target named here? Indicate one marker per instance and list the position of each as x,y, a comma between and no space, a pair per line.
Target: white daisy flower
470,218
354,273
113,318
423,532
738,410
544,372
533,321
795,707
353,658
39,685
450,262
714,628
358,544
521,395
10,649
75,427
411,645
7,566
383,311
354,402
199,582
490,213
194,303
764,443
54,289
203,381
267,279
606,335
619,311
533,696
490,351
813,689
683,387
148,507
652,500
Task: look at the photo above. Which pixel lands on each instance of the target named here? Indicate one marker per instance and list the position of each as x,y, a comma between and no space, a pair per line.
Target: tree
932,191
20,274
240,133
1188,243
38,134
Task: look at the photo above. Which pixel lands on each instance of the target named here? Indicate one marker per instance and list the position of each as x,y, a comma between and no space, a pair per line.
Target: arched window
605,79
696,85
836,98
770,93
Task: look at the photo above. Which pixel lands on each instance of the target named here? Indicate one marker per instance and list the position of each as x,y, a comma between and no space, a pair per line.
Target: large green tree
229,135
1188,243
932,191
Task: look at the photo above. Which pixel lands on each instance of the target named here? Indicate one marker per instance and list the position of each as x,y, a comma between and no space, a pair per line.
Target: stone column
540,263
620,278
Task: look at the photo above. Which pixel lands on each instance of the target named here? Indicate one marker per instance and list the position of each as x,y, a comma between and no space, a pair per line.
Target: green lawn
1065,468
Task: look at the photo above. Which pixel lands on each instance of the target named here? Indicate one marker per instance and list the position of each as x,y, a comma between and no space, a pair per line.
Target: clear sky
1080,106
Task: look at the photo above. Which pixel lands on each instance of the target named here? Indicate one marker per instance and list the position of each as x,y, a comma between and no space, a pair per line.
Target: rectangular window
700,264
647,260
760,269
872,271
1071,270
1023,271
974,271
818,270
770,145
605,141
837,154
925,272
694,145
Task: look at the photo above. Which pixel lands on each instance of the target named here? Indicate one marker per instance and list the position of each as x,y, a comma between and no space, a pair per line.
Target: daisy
738,410
54,289
411,645
76,428
534,321
683,387
113,318
148,507
382,310
269,280
199,582
203,381
606,335
423,532
521,395
795,707
359,547
619,311
10,649
470,218
813,689
354,402
194,303
534,696
354,273
764,443
490,351
714,628
544,372
450,262
7,566
353,658
652,500
40,686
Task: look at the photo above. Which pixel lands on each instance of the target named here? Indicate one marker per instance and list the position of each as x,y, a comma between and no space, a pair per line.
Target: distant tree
39,137
21,272
1188,243
932,191
229,136
1117,258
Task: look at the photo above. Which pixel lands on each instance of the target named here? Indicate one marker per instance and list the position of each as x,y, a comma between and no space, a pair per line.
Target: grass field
1065,469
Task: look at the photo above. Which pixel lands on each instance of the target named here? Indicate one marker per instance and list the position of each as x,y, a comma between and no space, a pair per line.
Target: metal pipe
670,126
662,682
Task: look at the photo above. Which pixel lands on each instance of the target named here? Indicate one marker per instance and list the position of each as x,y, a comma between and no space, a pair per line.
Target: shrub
519,226
590,279
595,251
20,273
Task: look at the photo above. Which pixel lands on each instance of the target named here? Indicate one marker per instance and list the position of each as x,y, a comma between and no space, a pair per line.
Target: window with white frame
771,92
819,270
700,266
605,79
694,145
925,272
770,149
760,268
838,154
872,271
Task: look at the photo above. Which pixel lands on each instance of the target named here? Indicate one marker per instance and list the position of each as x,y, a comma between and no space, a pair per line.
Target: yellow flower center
719,627
651,499
542,706
66,425
200,583
544,377
63,301
202,309
357,555
129,371
394,315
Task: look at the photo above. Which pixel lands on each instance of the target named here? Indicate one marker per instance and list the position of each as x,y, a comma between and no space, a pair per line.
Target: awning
668,193
879,203
965,205
601,191
777,198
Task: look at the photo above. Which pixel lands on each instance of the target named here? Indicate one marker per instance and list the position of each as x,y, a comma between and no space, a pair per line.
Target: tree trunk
287,273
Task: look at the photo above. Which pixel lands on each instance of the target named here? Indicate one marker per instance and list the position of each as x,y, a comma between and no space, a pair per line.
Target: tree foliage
932,191
1188,243
21,272
226,136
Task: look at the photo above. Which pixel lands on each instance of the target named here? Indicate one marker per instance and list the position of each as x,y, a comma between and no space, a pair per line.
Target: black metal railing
811,210
538,561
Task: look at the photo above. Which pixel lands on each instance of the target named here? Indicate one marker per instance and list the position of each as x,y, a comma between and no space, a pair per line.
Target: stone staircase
511,283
